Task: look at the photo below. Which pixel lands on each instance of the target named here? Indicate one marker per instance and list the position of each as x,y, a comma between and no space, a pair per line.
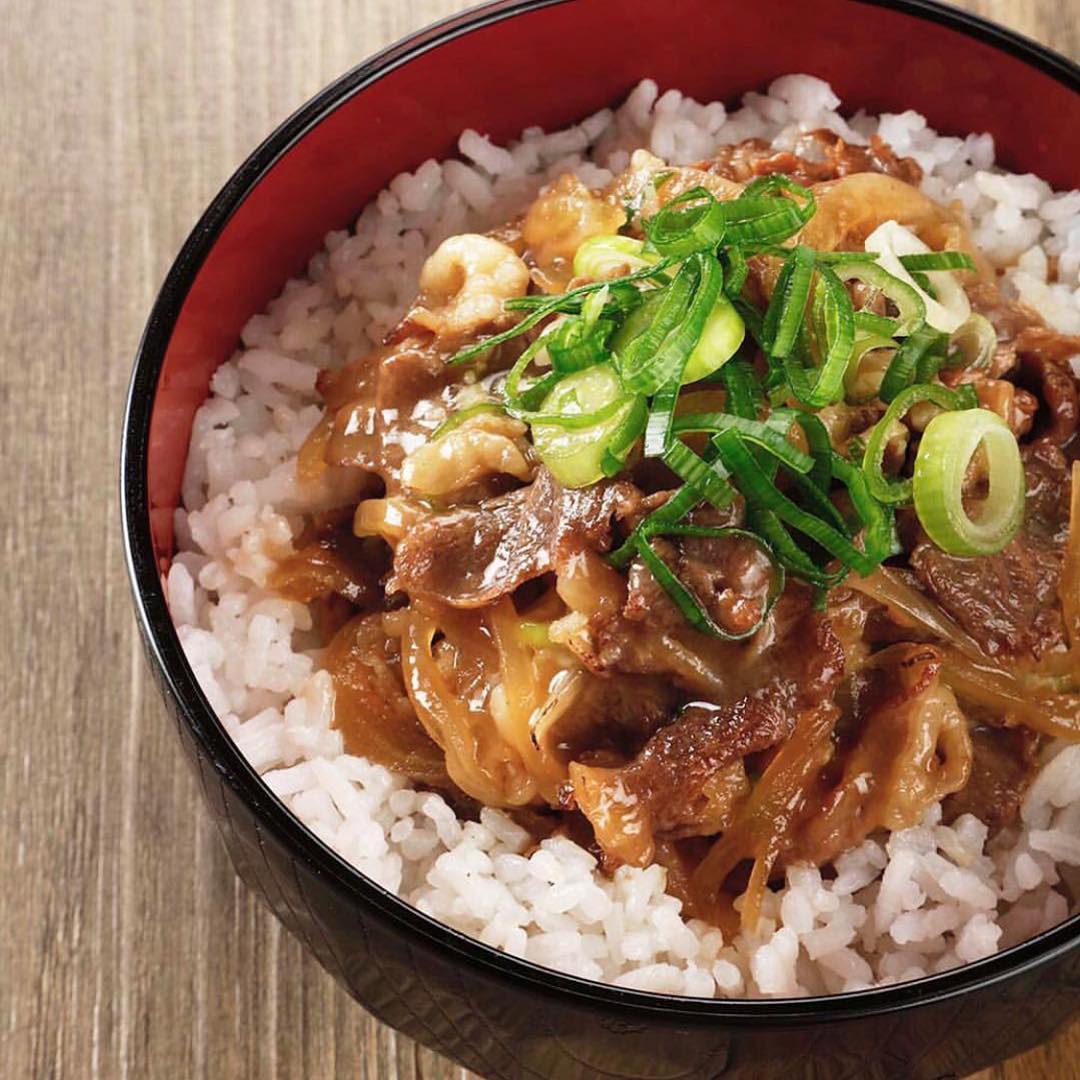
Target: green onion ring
907,300
973,343
895,492
947,447
904,366
692,221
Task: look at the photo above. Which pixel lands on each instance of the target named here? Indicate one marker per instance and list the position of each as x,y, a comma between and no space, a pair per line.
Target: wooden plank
129,948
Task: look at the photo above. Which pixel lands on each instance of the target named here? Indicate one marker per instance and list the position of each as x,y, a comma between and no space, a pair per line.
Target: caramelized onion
478,760
1070,571
761,828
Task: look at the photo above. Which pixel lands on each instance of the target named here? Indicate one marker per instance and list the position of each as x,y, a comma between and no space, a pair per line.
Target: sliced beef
378,406
1008,317
819,155
690,777
1004,762
471,556
330,560
1049,490
1044,366
680,762
729,576
903,747
1009,602
371,708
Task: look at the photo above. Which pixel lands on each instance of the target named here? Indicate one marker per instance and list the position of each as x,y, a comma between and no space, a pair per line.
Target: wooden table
127,947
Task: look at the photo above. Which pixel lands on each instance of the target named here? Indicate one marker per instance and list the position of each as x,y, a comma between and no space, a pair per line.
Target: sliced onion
947,447
1070,571
889,241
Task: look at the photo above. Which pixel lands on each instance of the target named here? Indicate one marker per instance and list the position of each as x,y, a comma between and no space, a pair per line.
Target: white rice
922,900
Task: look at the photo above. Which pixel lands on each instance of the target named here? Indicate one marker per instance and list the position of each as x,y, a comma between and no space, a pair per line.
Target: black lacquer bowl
500,68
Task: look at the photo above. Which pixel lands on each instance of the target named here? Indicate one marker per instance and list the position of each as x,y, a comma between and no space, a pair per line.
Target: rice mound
918,901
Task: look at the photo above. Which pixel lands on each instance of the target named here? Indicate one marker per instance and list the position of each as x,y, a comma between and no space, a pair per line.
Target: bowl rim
178,680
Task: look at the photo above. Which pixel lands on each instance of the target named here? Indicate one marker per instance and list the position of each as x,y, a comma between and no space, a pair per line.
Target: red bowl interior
550,66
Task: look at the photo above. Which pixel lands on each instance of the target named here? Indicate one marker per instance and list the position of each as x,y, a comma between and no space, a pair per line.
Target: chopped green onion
787,305
755,218
879,539
909,304
973,344
879,325
687,603
549,306
575,344
945,452
860,386
831,258
820,446
693,221
674,510
835,320
736,271
770,435
757,488
661,416
931,361
788,552
904,365
529,398
720,339
741,389
622,295
659,354
899,491
456,419
637,359
924,283
599,257
576,422
938,260
765,185
622,439
752,320
702,475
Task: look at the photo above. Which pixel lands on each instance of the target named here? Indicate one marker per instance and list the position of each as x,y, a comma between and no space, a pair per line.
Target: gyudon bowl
928,951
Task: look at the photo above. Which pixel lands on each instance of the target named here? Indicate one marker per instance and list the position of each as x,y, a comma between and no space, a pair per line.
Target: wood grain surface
127,947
